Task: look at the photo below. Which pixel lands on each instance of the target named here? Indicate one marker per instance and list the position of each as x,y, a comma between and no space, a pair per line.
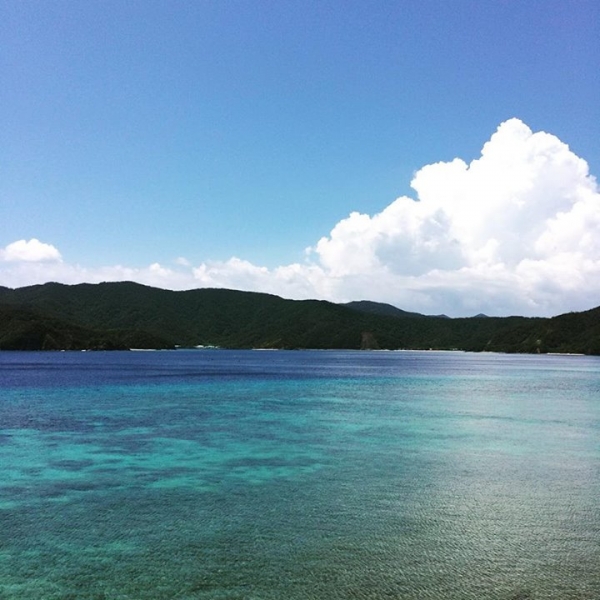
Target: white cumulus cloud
29,251
516,231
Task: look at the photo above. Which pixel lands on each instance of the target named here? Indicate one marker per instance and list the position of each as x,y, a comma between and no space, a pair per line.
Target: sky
440,156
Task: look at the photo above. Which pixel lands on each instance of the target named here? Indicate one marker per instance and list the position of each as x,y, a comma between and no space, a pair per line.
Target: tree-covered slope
568,333
132,315
380,308
26,329
196,317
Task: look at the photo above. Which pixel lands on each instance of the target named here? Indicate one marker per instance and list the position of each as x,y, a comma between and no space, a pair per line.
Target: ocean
296,475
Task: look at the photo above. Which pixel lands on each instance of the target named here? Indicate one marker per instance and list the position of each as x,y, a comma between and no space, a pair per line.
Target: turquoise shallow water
299,475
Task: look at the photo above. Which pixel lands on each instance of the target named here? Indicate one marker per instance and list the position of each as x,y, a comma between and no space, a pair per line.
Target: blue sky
181,135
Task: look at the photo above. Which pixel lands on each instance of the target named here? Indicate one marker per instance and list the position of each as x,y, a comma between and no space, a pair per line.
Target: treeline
129,315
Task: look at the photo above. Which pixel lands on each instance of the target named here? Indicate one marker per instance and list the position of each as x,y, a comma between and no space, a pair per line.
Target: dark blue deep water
253,475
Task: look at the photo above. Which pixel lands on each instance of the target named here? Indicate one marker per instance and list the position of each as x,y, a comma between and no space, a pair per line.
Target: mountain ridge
119,315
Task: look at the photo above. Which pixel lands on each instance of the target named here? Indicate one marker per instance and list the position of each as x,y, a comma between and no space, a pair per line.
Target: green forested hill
380,308
125,315
26,329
